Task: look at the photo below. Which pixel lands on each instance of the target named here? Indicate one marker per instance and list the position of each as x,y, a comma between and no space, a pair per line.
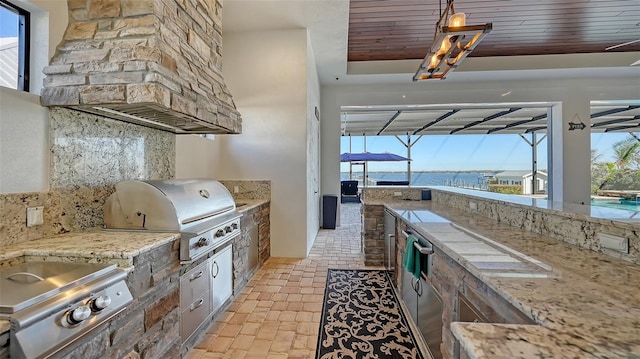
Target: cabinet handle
197,305
217,270
419,287
196,276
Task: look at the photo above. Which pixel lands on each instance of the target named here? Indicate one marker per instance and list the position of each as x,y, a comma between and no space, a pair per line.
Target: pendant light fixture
452,42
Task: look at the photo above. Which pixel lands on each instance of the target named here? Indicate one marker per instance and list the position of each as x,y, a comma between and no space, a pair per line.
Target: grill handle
26,274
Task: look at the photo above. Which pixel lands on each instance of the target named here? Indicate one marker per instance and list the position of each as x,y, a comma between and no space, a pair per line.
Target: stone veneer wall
373,217
89,155
390,193
578,230
255,218
373,234
149,54
149,327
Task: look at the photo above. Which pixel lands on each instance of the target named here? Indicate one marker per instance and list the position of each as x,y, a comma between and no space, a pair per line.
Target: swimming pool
616,203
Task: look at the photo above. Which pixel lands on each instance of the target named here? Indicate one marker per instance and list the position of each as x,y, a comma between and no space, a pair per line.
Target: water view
427,178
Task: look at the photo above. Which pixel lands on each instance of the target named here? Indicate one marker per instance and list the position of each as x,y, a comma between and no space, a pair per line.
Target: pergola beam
393,118
611,122
446,115
518,123
612,111
486,119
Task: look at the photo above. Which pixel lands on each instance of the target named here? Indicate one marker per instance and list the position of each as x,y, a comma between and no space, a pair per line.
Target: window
14,47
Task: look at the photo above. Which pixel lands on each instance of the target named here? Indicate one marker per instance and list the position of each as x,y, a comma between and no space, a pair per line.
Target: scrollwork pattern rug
362,319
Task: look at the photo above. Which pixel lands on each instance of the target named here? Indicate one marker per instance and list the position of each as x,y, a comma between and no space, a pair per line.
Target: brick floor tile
277,314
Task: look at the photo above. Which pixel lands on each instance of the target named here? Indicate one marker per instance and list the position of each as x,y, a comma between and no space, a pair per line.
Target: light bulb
444,46
458,19
435,60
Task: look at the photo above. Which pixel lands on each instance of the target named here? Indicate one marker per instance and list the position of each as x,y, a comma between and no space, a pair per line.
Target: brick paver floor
277,315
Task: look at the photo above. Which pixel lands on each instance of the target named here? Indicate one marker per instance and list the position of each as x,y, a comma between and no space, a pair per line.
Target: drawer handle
197,305
217,270
196,276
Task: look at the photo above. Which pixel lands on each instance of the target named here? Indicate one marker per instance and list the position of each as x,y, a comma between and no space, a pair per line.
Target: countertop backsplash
248,189
89,155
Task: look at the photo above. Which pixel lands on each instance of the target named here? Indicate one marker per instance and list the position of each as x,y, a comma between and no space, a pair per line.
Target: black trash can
329,210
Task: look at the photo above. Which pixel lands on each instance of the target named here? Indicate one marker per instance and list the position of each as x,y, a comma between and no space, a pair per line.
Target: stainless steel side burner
58,303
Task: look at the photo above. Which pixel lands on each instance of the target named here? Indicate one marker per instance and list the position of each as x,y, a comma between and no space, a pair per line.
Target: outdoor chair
349,192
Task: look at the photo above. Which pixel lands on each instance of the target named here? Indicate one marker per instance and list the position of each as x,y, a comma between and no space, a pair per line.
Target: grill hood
168,205
156,63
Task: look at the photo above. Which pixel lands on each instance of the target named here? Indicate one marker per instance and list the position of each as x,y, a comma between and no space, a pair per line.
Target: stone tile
243,342
220,345
277,314
230,330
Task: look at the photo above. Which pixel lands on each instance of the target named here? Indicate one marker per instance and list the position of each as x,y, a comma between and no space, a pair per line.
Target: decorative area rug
361,318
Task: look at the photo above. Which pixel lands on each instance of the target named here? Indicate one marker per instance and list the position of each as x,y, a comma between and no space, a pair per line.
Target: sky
498,152
8,23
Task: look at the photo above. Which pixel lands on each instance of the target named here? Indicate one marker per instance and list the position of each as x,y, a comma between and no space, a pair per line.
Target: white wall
313,148
266,73
24,143
24,124
601,87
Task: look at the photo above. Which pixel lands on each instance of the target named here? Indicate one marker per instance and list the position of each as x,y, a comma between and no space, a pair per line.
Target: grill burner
58,303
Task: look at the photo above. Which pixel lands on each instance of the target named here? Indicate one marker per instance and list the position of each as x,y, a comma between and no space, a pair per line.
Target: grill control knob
219,233
234,225
228,229
78,315
202,242
100,303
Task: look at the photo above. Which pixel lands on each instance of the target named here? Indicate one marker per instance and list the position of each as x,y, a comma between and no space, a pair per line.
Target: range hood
156,63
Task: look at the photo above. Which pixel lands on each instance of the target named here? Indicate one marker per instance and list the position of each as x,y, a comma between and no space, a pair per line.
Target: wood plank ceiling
403,29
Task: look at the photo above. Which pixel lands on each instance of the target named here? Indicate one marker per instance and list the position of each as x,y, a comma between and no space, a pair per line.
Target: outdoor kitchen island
149,326
582,304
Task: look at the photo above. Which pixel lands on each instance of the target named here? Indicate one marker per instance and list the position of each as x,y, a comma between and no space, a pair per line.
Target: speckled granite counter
95,246
244,205
587,305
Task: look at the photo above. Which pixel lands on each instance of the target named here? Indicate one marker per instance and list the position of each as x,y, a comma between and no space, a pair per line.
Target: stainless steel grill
202,210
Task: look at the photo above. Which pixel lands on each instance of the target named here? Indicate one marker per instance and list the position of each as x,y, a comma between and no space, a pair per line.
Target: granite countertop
101,246
244,205
92,246
587,305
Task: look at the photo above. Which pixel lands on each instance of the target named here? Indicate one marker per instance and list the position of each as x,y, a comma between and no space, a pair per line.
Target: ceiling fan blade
622,44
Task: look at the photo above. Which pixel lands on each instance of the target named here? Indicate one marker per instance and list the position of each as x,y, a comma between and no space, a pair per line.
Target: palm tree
625,151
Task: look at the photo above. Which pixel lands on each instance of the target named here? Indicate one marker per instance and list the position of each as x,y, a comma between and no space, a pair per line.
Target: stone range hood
156,63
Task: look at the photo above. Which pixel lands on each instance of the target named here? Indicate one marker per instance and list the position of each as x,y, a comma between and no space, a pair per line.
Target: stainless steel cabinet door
430,317
221,277
409,295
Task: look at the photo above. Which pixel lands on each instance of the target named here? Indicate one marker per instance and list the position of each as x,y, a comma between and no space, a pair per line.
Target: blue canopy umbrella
365,157
371,156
